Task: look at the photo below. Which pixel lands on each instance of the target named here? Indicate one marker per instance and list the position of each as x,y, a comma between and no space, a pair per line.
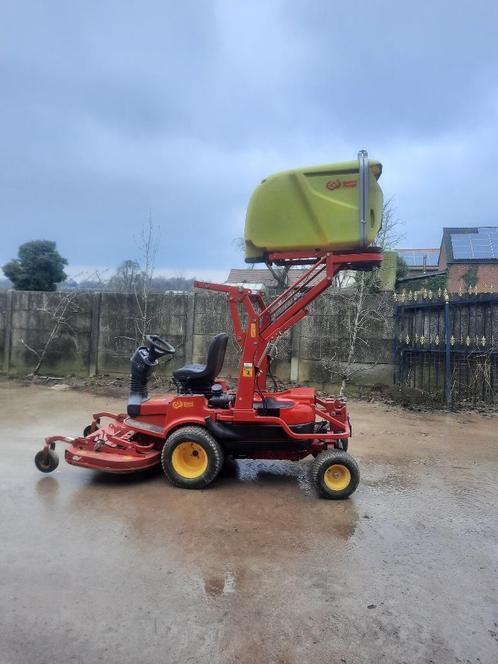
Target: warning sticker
247,370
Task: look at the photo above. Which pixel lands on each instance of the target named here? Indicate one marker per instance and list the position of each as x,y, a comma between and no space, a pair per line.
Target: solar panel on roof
416,258
480,245
407,257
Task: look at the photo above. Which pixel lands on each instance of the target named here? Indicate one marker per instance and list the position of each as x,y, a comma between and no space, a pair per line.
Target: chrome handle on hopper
363,177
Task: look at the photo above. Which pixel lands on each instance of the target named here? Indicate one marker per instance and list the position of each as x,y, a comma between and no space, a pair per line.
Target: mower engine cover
331,207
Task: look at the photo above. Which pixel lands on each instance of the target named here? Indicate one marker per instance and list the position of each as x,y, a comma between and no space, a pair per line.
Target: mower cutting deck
191,432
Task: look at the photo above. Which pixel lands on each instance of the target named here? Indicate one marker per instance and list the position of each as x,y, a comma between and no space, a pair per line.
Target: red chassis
305,424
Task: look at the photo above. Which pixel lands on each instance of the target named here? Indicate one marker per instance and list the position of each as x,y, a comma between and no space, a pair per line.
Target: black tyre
191,458
88,430
335,474
46,464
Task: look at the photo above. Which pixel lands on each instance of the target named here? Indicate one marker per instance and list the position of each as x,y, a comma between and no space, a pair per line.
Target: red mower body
250,422
124,444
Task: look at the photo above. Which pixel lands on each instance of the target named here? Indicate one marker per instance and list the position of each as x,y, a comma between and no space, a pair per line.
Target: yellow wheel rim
189,460
337,477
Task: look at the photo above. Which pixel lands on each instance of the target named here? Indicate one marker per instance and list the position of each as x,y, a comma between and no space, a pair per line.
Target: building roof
254,286
477,244
240,276
251,276
420,258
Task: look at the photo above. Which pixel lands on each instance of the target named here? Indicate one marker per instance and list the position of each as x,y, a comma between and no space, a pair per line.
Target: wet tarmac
257,569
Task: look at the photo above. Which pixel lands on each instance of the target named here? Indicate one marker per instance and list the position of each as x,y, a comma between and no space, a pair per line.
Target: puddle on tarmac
411,553
259,471
216,586
47,488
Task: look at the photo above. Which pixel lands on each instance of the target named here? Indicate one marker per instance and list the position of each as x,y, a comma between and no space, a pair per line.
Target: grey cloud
111,109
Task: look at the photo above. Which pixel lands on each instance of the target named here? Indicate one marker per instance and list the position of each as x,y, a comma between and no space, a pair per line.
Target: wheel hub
337,477
189,460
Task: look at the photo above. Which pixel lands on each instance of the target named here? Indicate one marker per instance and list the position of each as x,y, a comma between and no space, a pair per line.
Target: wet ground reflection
127,569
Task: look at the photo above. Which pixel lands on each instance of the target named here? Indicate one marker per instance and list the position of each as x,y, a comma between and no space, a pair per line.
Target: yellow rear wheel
335,474
337,477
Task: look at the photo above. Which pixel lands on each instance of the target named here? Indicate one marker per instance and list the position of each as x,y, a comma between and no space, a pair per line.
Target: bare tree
58,310
281,275
361,313
136,277
239,243
391,232
389,237
127,277
59,315
362,309
344,279
149,240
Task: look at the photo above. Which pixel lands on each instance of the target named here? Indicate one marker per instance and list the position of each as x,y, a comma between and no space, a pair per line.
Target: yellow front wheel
335,474
191,458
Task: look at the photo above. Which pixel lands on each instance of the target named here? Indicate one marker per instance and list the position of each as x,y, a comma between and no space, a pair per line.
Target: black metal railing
447,345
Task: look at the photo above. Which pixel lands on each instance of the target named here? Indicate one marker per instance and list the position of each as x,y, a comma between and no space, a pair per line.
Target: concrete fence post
8,332
189,327
94,334
295,335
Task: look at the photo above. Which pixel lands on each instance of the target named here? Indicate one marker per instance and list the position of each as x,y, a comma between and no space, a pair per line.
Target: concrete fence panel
95,333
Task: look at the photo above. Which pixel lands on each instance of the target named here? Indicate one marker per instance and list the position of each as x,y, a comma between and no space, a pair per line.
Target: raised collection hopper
332,207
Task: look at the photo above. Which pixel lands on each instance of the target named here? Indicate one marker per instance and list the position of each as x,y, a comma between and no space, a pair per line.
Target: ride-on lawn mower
191,432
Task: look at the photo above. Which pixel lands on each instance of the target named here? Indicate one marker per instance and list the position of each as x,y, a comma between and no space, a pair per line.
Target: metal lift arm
266,322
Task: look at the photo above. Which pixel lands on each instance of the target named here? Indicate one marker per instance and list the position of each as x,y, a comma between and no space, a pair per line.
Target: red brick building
470,258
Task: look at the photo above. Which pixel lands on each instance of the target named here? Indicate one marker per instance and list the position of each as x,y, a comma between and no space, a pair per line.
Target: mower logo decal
182,404
332,185
247,370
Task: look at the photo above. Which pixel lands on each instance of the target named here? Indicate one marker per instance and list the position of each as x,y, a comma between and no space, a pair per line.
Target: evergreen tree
39,267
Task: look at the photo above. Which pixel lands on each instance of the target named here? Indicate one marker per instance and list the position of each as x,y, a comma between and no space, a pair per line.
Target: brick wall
487,277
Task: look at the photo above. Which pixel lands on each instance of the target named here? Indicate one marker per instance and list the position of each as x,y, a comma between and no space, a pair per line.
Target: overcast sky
112,109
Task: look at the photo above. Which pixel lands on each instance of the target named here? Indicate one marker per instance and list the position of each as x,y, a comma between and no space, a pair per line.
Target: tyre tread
53,461
192,432
326,458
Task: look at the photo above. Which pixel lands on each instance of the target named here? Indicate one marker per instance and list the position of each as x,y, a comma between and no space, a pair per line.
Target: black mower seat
200,377
189,370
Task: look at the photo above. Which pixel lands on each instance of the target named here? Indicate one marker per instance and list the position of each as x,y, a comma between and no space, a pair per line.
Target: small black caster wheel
88,430
46,464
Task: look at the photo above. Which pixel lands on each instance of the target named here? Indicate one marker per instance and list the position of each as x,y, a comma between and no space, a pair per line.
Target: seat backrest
216,355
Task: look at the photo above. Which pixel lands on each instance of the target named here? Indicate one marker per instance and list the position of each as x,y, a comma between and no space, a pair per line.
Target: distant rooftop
478,244
248,276
261,276
420,257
